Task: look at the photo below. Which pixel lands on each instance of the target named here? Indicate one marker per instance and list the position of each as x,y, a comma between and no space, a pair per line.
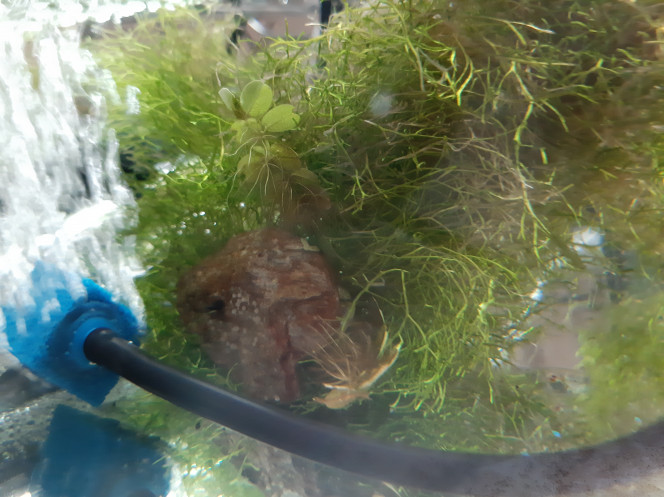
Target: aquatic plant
458,145
448,185
266,165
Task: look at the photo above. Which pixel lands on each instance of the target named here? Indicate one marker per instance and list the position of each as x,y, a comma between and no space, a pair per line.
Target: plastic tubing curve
454,472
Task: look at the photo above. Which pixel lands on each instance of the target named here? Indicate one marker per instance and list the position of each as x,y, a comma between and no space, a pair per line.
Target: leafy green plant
255,113
267,165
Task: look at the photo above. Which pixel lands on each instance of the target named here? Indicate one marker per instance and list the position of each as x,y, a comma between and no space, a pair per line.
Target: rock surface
260,304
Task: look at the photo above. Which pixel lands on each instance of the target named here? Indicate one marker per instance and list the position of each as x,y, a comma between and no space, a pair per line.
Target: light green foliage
281,118
457,144
267,166
449,196
256,99
253,111
626,368
175,76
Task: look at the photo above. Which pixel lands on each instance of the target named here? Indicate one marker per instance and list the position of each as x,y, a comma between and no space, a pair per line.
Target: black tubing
456,472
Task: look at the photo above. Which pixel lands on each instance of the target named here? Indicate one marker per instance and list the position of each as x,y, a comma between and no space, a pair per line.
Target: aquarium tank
422,223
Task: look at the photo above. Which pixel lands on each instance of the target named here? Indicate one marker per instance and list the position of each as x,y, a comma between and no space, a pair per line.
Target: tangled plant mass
440,156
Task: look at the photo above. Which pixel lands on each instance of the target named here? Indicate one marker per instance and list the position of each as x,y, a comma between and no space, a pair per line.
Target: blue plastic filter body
48,336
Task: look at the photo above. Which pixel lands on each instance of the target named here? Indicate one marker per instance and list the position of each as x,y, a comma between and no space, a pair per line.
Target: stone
261,304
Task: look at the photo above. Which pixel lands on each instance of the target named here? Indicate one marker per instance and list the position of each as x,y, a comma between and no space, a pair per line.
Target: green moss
624,362
458,146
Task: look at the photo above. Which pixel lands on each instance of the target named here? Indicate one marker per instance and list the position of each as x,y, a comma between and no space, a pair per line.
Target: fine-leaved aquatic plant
458,144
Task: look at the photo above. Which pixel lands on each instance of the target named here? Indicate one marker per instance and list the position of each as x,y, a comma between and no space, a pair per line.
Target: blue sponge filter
48,335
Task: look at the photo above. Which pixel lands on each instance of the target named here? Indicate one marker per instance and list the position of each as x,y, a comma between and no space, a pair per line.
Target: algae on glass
439,154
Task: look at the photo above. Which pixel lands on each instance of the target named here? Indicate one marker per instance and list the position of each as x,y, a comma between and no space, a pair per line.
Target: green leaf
251,164
256,98
281,118
285,157
228,99
305,177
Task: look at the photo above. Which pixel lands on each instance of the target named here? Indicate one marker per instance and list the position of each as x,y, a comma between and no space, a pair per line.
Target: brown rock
260,304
